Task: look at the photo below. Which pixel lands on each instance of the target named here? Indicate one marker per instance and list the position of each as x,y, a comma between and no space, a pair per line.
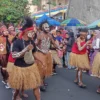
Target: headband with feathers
28,25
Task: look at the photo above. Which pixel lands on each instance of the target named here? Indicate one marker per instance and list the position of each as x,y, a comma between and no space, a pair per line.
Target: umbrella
51,21
94,25
73,22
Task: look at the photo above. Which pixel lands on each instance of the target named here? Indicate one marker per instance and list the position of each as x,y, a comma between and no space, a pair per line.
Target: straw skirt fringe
10,66
96,65
56,59
23,78
45,64
79,61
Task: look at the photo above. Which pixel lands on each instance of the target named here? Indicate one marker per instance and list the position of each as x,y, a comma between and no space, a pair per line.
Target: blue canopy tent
52,22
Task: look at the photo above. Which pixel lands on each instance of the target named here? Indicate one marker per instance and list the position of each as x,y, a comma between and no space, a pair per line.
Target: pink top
60,53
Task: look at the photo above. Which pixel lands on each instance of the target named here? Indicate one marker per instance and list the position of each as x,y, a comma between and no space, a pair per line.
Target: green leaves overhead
53,3
36,2
13,10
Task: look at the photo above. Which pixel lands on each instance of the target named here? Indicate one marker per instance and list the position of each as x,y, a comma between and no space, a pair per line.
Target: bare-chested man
43,56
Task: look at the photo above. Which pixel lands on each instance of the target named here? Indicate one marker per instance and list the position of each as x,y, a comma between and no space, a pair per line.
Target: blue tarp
52,22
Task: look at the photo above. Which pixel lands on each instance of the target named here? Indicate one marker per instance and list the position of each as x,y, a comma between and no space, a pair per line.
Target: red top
75,48
10,58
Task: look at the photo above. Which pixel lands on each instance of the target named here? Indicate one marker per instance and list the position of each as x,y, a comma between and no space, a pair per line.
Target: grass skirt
79,61
10,65
96,65
23,78
56,59
45,64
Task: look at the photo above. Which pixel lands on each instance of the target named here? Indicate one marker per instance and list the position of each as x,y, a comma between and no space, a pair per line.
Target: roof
53,11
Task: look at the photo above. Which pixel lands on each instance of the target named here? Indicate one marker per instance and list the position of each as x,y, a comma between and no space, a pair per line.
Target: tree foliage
13,10
37,3
53,3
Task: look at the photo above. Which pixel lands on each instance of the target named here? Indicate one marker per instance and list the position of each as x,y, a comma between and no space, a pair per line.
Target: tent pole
49,8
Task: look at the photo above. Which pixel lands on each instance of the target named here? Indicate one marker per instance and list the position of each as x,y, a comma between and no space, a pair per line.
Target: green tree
53,3
37,3
13,10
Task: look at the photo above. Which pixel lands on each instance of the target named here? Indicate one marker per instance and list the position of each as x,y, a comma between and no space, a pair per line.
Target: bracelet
25,49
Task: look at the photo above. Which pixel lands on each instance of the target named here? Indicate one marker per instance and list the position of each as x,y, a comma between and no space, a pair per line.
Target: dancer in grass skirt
79,57
96,62
43,56
24,74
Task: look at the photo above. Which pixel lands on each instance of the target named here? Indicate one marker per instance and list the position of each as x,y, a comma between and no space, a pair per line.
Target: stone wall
86,10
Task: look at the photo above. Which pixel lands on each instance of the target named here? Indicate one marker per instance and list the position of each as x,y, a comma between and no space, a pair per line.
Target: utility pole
49,8
49,3
69,5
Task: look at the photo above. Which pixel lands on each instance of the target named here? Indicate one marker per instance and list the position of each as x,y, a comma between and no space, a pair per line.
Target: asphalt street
61,87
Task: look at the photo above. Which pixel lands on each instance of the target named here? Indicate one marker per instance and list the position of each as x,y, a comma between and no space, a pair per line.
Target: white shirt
97,44
88,36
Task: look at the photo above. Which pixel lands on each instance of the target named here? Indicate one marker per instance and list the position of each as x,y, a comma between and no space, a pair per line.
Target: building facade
45,6
54,3
32,8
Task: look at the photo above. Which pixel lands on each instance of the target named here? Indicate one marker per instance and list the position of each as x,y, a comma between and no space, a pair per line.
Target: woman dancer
96,62
79,57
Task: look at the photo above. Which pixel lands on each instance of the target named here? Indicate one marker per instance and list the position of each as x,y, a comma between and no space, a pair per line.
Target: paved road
61,87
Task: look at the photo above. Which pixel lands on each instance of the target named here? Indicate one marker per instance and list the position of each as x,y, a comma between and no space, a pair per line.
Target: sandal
45,84
18,99
82,85
76,82
98,91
